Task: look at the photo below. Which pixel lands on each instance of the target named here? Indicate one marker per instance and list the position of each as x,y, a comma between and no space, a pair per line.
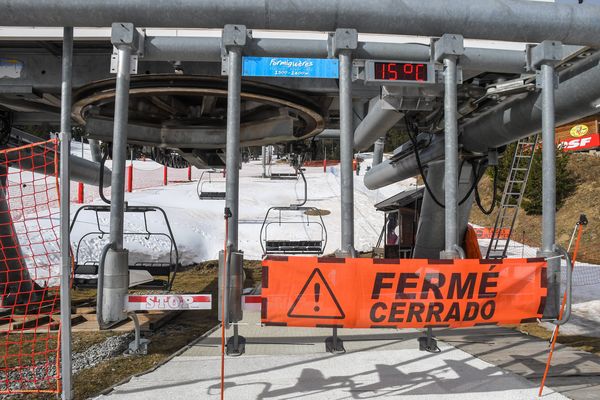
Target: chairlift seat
155,269
211,195
283,176
282,246
293,247
161,269
204,194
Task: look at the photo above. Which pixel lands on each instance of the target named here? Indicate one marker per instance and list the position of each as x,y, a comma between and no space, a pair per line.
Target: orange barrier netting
29,269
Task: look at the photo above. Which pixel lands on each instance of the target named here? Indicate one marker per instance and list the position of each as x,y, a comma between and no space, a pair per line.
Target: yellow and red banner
580,135
376,293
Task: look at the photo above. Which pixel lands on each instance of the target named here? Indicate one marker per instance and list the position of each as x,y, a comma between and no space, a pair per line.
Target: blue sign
290,67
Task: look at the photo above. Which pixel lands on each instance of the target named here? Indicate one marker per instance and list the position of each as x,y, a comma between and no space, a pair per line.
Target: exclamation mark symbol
317,294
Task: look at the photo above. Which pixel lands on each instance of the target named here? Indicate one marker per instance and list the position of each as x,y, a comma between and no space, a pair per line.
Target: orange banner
373,293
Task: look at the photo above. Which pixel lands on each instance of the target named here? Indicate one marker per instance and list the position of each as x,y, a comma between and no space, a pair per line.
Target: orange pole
562,308
165,175
189,173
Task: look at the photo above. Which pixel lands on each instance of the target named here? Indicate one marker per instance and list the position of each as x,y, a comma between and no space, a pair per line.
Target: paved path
291,363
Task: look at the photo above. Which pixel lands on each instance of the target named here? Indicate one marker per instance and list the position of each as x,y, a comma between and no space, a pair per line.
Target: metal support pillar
264,161
378,151
544,57
347,152
66,369
448,49
343,43
548,160
233,40
125,39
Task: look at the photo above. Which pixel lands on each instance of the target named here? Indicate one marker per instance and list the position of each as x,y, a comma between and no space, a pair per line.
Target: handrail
564,318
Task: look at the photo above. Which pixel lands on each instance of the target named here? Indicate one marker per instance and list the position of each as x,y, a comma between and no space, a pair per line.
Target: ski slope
199,226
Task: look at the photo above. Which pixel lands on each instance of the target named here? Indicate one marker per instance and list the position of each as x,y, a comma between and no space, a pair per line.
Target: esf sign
290,67
154,302
586,142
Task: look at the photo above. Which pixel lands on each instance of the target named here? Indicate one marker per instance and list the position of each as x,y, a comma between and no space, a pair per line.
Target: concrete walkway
291,363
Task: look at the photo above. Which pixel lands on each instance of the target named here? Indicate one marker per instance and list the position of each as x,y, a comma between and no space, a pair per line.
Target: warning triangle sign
316,300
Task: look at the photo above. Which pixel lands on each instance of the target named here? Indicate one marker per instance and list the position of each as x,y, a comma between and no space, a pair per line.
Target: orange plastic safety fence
29,269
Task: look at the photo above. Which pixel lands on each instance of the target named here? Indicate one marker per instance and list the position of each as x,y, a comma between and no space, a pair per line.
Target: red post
189,173
324,165
165,175
80,193
130,178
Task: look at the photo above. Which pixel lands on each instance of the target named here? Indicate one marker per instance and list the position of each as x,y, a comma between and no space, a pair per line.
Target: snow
199,226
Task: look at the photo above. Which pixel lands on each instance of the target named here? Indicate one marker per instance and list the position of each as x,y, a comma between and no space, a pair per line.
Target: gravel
31,377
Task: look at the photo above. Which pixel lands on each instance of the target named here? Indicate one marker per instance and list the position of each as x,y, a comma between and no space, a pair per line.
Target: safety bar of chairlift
146,236
136,209
564,318
201,182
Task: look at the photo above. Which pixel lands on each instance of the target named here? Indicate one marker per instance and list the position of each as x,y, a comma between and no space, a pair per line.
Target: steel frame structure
511,20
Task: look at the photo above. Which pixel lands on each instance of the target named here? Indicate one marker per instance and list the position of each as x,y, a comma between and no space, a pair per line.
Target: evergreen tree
566,181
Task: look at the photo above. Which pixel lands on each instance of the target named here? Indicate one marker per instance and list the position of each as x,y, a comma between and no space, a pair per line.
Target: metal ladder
512,197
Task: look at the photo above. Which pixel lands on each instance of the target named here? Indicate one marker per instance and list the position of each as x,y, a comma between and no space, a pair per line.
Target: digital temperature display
401,71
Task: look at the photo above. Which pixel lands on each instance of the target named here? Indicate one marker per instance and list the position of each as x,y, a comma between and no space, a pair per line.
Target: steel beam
233,39
448,49
116,270
378,151
207,49
390,171
509,20
548,160
119,149
345,42
65,215
381,117
232,150
451,155
544,57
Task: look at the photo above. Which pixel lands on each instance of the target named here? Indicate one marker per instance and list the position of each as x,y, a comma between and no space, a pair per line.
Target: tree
566,182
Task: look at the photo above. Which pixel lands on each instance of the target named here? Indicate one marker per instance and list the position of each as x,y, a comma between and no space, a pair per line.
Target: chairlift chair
205,193
290,246
166,270
282,175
